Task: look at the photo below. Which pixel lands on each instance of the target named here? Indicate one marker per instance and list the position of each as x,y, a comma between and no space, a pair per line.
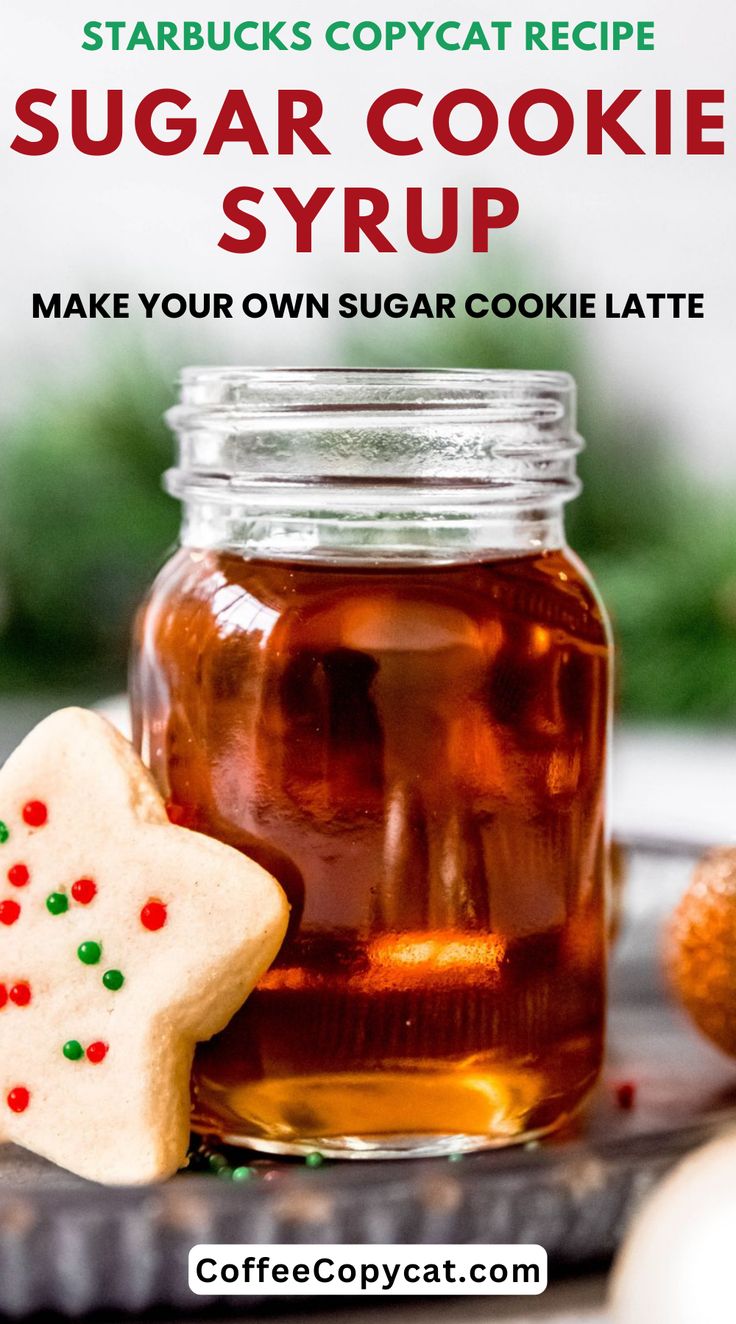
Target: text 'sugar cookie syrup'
374,666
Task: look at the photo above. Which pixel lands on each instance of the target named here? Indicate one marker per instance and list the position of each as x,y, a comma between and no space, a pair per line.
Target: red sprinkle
9,912
35,813
3,995
18,875
626,1095
176,812
84,890
18,1099
96,1051
20,994
153,915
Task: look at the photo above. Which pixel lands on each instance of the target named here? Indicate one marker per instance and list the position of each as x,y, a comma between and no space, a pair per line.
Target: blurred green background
84,524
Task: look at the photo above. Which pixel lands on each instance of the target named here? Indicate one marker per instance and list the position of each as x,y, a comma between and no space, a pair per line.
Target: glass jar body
415,747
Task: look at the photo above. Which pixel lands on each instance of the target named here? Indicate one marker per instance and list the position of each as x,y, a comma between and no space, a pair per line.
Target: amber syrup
417,753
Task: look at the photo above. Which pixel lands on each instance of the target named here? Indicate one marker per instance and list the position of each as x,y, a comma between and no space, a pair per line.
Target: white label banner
362,1270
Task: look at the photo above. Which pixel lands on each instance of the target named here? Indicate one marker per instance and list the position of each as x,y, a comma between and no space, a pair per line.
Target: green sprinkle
57,903
455,1158
113,979
242,1174
73,1050
4,832
89,952
314,1160
216,1162
226,1172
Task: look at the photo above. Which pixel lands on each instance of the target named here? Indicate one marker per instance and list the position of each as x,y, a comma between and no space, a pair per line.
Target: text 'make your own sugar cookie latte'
123,941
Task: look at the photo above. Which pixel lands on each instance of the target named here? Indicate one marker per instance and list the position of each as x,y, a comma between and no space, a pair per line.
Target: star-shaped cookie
123,941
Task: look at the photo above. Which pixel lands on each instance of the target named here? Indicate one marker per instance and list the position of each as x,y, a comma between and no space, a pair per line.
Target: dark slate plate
75,1247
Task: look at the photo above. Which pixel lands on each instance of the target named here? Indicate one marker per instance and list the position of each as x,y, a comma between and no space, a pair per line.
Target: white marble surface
675,782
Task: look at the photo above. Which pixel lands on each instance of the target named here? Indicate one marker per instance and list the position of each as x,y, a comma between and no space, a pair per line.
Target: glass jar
375,667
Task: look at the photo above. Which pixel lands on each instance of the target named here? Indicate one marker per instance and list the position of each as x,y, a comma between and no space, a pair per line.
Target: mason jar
374,666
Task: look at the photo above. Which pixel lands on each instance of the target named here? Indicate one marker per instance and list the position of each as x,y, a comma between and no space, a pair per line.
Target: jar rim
277,389
370,459
374,445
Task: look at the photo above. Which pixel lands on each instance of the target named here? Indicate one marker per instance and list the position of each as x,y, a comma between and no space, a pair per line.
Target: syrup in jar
415,748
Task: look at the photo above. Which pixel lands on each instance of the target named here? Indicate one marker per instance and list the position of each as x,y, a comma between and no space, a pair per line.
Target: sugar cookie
123,941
